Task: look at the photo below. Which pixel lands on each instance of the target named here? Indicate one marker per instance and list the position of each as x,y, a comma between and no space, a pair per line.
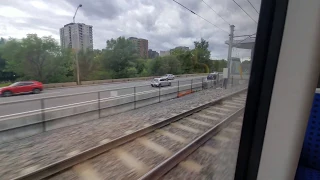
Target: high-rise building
152,54
141,46
76,36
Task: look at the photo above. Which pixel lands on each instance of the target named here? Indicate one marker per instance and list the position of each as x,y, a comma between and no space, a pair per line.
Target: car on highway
212,76
22,87
169,76
159,82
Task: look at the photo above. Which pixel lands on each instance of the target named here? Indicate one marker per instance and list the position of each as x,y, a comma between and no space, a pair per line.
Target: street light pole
80,5
76,49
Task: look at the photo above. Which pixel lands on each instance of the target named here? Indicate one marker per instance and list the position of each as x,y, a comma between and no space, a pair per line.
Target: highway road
31,102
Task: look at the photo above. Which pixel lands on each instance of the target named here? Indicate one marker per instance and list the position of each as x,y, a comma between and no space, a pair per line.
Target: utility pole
76,49
231,36
78,68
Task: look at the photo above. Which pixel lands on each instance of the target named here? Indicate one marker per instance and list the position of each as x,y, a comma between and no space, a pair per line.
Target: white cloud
164,23
39,5
12,12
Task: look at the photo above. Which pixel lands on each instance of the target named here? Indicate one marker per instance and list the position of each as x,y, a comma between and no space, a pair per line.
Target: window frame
264,65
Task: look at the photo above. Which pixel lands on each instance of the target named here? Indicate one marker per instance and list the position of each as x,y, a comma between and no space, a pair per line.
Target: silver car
159,82
169,76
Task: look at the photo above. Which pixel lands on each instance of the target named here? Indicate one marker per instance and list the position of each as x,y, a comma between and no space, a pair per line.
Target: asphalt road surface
51,96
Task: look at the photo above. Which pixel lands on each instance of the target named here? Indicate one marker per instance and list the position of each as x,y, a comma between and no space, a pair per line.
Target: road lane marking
113,93
191,166
186,128
73,105
154,147
172,136
130,161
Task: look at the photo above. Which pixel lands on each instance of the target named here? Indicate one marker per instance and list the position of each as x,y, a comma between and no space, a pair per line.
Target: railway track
214,159
150,152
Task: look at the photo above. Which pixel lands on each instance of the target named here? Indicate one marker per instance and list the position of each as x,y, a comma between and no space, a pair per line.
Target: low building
164,53
152,54
180,48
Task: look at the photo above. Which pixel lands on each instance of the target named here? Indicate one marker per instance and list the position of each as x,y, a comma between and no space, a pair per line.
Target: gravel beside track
144,153
21,156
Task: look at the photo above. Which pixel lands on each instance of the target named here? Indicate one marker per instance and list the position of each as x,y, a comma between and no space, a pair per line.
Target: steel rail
170,163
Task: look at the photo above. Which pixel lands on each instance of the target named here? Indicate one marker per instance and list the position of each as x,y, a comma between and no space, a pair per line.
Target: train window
176,89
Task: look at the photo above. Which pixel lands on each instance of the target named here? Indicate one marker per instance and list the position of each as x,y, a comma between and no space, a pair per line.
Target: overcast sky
163,22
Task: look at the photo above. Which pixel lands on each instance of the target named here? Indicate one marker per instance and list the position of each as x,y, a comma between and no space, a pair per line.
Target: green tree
201,56
186,62
147,71
218,65
173,64
158,67
203,45
2,60
199,66
63,65
87,64
140,65
98,72
120,55
35,58
164,65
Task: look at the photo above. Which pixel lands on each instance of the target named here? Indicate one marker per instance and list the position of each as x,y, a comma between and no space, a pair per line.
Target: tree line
42,59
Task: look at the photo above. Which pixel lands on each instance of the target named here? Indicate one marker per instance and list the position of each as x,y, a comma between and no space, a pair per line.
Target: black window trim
265,60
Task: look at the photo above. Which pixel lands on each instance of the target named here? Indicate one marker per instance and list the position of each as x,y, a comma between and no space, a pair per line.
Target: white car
169,76
159,82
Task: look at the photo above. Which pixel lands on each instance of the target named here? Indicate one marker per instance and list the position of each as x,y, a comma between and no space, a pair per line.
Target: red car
21,87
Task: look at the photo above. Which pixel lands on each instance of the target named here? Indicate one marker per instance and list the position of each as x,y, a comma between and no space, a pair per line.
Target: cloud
164,23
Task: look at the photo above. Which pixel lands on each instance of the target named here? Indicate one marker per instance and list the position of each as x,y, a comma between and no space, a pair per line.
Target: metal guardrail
89,92
193,85
211,83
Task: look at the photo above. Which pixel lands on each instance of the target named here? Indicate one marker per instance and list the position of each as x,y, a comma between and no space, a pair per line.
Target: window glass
102,88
